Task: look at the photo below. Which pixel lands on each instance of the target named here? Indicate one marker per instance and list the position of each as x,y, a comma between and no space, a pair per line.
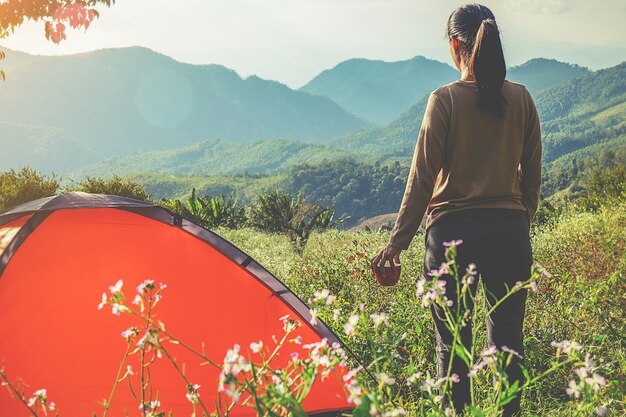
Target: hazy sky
293,40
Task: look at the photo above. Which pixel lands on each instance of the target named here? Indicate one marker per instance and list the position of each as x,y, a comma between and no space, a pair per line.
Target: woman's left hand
389,253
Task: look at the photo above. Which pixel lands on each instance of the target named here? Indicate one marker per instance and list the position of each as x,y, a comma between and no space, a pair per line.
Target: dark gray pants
498,242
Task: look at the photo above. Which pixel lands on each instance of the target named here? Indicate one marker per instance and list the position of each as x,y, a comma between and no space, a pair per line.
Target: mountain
379,91
213,157
574,114
541,73
115,101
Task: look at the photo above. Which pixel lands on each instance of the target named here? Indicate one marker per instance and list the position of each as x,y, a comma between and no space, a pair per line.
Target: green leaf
476,412
363,410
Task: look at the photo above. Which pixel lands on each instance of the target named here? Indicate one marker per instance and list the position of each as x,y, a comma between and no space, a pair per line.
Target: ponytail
487,65
475,27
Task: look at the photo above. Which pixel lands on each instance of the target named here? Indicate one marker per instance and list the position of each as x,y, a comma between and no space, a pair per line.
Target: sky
292,41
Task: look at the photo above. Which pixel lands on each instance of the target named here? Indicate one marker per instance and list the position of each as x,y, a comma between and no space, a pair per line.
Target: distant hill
569,111
213,157
379,91
115,101
541,73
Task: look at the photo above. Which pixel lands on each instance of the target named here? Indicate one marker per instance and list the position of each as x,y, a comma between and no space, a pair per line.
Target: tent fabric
68,249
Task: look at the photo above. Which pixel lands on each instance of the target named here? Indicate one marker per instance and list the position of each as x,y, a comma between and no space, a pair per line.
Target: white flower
129,370
149,283
117,287
453,243
233,392
511,351
350,327
193,394
116,309
313,319
379,319
596,381
126,334
321,295
297,340
52,406
395,413
601,411
533,286
256,347
566,346
103,302
137,300
385,379
574,389
471,269
413,378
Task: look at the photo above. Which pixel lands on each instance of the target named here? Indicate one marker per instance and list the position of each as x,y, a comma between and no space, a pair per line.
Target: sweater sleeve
425,167
530,166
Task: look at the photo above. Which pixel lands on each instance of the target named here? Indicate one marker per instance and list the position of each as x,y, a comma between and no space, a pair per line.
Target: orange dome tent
59,254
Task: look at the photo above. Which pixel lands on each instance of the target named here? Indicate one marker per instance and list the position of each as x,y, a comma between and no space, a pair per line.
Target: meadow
582,298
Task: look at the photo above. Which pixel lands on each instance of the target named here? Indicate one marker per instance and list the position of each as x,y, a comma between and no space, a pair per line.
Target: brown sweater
466,158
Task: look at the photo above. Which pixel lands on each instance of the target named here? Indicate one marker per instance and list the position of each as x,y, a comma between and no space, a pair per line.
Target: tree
56,15
115,185
17,187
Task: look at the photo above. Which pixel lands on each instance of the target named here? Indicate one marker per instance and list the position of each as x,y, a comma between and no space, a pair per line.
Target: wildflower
256,347
471,270
297,340
379,319
395,413
52,406
566,346
126,334
413,378
321,295
574,389
147,284
336,313
355,392
349,327
543,270
352,373
435,293
385,379
421,287
331,299
511,351
41,395
294,356
137,300
103,302
601,411
129,370
117,308
152,405
533,286
313,319
453,243
233,392
117,287
455,378
596,381
192,393
490,351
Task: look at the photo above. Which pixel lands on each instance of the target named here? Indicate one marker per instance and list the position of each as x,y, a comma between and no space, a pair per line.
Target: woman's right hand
388,253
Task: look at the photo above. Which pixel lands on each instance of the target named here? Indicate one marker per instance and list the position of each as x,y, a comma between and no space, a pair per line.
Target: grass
584,300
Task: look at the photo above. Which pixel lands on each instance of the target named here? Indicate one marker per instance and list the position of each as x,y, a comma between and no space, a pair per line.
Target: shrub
116,185
17,187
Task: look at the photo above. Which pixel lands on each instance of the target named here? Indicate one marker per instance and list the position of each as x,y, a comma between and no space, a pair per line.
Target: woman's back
466,157
483,152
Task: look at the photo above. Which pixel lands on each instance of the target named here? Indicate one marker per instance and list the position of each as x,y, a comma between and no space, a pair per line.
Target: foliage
604,186
582,300
278,212
215,211
17,187
77,13
114,185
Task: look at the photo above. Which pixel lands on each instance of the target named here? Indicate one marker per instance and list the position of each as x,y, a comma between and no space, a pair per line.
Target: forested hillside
117,101
379,91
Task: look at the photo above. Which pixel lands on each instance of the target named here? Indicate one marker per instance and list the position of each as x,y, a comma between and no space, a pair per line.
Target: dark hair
474,26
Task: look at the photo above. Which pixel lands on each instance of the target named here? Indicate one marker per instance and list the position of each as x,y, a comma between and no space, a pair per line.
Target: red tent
59,254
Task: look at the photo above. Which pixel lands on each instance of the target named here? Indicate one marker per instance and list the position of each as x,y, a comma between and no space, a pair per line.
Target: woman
475,173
